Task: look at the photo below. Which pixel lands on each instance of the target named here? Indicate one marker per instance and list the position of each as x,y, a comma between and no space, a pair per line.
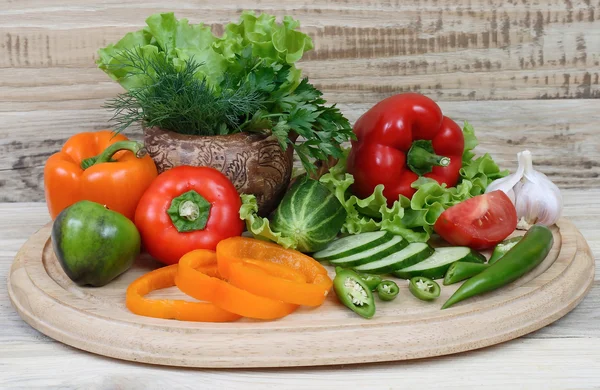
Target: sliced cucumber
411,255
436,265
395,244
352,244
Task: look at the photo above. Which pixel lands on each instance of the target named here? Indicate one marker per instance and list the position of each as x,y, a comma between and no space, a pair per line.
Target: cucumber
411,255
436,265
395,244
352,244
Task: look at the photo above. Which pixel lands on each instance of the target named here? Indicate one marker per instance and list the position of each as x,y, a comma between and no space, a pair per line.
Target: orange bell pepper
169,308
203,286
233,255
102,167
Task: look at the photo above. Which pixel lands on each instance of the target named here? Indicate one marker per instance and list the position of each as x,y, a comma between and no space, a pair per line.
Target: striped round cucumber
397,243
352,244
411,255
310,213
437,264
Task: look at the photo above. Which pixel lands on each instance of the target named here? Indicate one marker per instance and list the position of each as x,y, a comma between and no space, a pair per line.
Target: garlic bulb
535,197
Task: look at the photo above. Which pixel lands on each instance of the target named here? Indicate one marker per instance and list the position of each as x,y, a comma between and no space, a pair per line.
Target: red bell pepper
401,138
187,208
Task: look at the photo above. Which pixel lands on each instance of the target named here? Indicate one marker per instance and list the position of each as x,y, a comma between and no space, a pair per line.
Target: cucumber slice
436,265
411,255
395,244
352,244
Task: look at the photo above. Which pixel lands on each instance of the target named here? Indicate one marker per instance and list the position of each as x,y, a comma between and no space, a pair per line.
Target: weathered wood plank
463,50
562,135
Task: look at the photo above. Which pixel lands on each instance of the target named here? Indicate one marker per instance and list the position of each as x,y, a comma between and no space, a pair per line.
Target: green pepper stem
189,210
421,161
135,147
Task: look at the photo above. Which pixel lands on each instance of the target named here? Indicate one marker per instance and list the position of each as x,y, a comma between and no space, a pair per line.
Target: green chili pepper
424,288
522,258
370,280
353,292
387,290
501,249
462,270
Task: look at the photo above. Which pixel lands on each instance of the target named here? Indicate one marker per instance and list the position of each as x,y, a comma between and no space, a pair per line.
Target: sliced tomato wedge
480,222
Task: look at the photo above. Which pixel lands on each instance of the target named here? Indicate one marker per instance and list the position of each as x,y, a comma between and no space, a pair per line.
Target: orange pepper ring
263,280
202,286
240,249
170,308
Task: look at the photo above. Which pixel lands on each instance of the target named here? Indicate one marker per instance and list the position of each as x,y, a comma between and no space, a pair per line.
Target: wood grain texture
463,53
562,136
562,355
458,50
96,319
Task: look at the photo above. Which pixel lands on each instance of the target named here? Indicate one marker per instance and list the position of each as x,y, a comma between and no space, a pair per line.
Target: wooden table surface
565,354
524,73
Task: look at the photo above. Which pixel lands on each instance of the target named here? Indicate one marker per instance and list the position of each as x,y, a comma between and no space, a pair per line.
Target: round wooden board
96,319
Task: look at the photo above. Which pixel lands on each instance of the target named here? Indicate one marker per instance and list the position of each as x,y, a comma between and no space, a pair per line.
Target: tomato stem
135,147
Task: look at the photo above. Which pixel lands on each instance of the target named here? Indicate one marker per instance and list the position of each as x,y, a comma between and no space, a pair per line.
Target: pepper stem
189,212
421,158
135,147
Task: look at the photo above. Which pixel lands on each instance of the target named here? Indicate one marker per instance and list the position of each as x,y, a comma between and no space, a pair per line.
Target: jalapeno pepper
424,288
501,249
372,281
522,258
354,293
387,290
462,270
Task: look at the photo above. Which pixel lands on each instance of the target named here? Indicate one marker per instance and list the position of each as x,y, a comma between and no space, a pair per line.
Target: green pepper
353,292
462,270
94,245
501,249
522,258
424,288
387,290
371,280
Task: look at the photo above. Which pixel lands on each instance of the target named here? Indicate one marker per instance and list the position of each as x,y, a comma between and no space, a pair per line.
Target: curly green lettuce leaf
259,226
275,43
412,219
372,213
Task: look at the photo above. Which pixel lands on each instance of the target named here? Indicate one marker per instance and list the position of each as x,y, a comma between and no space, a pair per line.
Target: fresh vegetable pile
181,77
410,174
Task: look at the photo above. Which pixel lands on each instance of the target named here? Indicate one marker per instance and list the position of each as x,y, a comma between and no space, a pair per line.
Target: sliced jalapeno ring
387,290
354,293
424,288
371,280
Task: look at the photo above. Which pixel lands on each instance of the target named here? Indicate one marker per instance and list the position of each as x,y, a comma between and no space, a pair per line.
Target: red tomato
480,222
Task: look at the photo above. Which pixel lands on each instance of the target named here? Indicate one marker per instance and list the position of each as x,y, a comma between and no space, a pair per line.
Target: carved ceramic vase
255,163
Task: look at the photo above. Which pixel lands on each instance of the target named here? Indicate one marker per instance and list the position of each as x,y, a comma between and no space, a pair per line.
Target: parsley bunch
289,111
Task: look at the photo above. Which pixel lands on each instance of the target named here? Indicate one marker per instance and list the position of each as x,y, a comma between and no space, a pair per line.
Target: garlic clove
538,200
507,183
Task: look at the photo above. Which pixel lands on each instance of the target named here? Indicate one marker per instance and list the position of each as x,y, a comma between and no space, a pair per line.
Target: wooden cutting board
96,319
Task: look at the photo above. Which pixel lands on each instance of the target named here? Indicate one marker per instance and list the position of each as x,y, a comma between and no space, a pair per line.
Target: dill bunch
174,98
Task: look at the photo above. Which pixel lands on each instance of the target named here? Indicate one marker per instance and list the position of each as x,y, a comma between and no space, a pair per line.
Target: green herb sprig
174,99
255,96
